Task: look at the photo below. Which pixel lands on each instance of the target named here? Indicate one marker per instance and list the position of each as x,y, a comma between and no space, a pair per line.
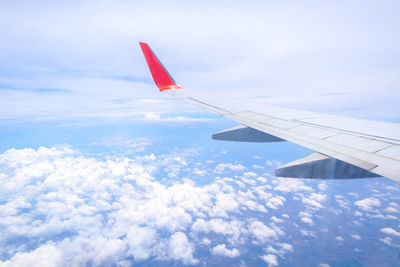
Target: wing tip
160,74
143,44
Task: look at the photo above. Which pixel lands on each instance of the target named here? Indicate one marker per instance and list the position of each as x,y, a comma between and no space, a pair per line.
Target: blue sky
99,168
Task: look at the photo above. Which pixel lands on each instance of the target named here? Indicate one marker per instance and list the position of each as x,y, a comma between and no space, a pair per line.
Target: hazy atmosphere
98,168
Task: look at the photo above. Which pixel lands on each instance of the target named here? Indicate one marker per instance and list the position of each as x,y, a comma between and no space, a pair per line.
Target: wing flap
319,166
245,134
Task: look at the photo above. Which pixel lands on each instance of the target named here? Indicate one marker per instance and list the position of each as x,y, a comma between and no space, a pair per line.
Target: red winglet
161,77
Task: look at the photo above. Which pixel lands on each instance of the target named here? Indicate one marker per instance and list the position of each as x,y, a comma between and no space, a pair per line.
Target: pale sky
82,59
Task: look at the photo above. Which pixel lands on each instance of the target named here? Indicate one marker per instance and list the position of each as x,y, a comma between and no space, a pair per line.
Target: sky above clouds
97,168
82,59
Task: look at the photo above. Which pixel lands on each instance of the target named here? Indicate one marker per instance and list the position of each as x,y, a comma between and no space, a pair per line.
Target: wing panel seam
379,138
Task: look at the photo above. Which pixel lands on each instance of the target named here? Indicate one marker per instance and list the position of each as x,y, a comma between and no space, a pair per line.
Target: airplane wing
345,148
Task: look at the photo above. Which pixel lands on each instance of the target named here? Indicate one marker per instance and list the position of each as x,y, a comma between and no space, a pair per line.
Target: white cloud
391,210
307,220
200,225
250,181
235,229
387,240
286,247
390,231
181,249
124,144
114,210
232,228
339,238
252,205
180,160
323,186
308,233
314,201
357,237
14,206
276,220
262,179
46,255
223,167
270,259
205,241
110,209
368,204
221,250
273,163
290,185
250,174
343,202
275,202
224,204
199,172
281,250
255,166
140,241
357,213
151,116
262,232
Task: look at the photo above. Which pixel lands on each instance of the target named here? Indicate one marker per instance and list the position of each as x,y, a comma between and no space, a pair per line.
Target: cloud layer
62,208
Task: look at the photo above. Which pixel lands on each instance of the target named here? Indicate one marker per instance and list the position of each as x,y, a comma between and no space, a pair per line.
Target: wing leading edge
347,148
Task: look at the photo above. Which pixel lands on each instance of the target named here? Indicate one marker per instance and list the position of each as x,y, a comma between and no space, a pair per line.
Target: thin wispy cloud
347,65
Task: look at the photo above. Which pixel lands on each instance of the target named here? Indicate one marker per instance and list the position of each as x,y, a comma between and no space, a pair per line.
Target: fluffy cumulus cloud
314,201
46,255
291,185
264,233
339,238
270,259
222,250
181,249
66,207
368,204
390,231
59,207
280,249
229,166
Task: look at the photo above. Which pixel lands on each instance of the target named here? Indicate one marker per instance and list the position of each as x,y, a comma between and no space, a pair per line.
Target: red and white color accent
161,77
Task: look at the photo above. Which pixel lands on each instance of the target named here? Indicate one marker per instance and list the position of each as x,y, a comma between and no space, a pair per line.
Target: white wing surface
347,147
